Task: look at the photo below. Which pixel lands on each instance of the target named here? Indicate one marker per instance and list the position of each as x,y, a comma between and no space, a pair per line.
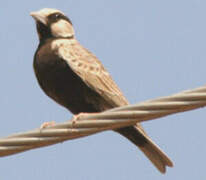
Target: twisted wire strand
88,124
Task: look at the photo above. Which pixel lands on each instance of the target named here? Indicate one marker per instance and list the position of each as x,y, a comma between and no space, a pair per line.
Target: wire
88,124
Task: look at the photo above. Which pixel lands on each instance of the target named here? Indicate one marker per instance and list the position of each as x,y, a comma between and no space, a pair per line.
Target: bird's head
52,23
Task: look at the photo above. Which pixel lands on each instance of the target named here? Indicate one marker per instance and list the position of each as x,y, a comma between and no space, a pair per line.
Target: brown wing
90,70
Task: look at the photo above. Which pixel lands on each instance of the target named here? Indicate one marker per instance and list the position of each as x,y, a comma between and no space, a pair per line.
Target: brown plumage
76,79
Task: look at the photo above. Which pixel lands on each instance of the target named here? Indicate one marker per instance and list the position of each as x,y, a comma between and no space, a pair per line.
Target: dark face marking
52,18
43,31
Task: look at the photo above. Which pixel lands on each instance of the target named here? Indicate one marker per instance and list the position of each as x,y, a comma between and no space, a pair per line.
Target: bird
75,78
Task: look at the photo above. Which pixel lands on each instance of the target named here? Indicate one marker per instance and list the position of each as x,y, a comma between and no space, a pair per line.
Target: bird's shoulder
76,55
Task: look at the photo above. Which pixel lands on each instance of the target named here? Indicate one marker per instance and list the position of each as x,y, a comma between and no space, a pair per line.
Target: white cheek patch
62,28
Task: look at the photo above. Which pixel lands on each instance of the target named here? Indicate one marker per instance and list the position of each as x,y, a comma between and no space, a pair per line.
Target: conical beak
39,17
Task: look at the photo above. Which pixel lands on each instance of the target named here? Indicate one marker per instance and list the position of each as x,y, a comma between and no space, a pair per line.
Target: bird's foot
77,117
47,124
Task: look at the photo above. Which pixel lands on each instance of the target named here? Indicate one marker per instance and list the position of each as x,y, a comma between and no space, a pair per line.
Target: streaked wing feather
90,70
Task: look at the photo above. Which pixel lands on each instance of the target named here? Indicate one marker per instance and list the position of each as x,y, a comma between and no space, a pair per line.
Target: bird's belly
65,87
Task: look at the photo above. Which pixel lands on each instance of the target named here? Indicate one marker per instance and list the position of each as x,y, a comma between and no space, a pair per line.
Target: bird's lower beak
39,17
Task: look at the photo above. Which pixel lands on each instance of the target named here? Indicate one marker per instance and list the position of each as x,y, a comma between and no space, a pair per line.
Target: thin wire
88,124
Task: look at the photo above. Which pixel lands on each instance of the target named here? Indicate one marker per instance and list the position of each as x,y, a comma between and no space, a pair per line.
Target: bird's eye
57,16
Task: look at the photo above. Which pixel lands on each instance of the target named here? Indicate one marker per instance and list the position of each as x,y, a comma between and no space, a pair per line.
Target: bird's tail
137,135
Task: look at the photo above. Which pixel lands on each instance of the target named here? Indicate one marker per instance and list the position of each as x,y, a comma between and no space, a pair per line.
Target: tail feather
156,155
156,160
137,135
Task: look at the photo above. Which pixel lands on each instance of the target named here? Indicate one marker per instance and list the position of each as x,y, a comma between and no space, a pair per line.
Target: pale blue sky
151,48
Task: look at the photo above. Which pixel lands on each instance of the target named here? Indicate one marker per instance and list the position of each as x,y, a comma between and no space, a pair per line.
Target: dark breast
64,86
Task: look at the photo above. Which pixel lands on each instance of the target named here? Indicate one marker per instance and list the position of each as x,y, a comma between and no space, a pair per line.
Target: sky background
151,48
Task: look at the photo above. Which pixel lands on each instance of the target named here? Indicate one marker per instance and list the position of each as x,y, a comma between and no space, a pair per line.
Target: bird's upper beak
39,17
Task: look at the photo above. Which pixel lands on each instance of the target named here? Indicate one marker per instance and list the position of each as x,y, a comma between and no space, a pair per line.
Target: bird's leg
47,124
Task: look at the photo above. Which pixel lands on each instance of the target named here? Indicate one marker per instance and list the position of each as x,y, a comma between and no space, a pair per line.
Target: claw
79,117
47,124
